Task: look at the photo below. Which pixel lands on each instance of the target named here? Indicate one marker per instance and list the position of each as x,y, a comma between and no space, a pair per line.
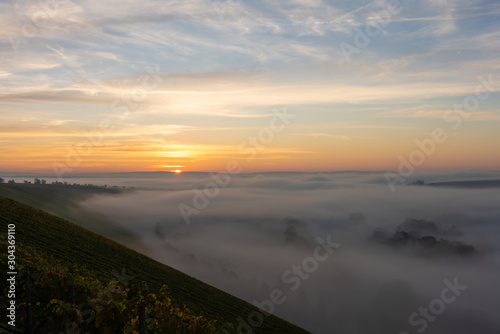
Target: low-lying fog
331,252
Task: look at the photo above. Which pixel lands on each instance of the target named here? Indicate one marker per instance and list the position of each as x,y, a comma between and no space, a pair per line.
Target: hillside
63,201
76,247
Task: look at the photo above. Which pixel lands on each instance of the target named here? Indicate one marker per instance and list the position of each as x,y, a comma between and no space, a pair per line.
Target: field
76,247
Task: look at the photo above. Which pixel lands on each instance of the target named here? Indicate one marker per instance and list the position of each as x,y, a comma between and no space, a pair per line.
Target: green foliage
61,256
99,308
162,316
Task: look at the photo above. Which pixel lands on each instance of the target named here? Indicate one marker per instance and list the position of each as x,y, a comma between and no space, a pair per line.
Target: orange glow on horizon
376,150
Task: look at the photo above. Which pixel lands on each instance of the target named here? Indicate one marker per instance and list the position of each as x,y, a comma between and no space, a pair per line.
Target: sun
178,171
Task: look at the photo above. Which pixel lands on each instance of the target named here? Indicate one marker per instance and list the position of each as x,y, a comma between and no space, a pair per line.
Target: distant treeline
44,182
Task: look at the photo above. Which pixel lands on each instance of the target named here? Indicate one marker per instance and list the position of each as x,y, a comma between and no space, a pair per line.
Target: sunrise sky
101,86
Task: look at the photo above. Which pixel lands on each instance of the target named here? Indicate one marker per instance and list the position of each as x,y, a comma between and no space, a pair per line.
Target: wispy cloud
319,134
224,66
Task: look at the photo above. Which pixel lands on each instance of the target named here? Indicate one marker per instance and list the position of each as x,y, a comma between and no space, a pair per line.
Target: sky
298,85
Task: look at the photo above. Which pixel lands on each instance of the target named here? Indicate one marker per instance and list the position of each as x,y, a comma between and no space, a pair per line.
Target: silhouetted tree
37,180
2,180
44,182
11,181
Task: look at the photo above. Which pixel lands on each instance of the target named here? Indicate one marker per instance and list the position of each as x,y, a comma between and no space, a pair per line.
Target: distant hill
467,184
424,238
75,247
